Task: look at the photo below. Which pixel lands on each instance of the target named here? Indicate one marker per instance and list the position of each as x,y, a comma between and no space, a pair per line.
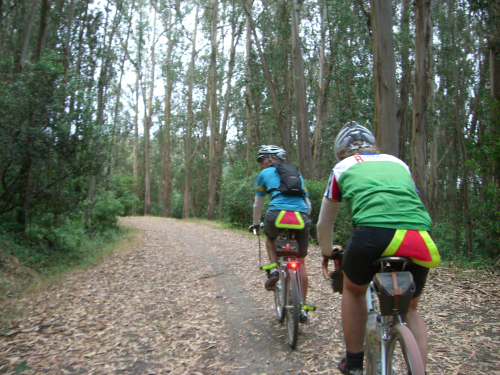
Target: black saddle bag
395,291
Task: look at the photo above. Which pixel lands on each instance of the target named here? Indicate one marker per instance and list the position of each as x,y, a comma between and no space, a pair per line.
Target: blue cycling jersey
268,181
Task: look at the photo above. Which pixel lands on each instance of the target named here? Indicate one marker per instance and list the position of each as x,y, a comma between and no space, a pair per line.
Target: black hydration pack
290,182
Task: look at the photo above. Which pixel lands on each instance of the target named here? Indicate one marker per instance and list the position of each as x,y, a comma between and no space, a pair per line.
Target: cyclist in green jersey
388,218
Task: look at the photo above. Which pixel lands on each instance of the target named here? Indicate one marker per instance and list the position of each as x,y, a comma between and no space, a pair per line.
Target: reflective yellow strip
269,266
433,252
396,242
300,225
260,188
308,308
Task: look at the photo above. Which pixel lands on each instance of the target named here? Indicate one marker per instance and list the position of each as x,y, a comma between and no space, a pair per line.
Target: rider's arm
327,217
308,204
257,209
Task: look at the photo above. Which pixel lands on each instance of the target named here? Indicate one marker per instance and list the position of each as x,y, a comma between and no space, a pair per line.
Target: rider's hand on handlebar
254,228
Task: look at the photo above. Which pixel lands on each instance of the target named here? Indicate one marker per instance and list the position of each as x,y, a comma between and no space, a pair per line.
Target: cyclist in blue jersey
268,182
389,219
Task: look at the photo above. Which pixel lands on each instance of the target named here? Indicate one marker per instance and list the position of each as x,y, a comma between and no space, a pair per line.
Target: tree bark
25,46
301,111
147,127
421,83
249,100
324,79
384,69
284,134
405,85
212,191
44,22
189,125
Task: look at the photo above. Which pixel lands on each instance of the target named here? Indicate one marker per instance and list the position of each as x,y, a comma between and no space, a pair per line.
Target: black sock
354,360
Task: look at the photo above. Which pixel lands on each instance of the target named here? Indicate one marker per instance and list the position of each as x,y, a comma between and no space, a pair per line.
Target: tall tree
301,111
386,126
421,84
190,122
212,179
147,125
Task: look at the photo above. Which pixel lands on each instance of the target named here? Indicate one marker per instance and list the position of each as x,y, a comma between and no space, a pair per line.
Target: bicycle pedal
308,308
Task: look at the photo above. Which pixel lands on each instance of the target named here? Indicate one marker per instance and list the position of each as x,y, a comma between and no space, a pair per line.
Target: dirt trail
189,299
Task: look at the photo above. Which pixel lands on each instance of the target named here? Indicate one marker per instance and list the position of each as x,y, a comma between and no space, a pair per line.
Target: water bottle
373,328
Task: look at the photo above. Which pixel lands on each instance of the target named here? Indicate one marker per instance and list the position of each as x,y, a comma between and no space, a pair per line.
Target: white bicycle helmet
271,150
350,133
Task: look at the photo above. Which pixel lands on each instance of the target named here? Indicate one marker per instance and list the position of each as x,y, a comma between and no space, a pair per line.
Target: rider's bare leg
354,315
417,326
271,250
304,279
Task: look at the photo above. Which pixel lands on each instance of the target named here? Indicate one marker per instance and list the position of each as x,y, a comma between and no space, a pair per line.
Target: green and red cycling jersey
380,192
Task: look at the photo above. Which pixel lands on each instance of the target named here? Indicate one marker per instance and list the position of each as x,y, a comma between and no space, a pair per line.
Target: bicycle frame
387,323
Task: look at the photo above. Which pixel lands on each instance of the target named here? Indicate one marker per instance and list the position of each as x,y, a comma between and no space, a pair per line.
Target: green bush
106,208
343,226
238,192
123,188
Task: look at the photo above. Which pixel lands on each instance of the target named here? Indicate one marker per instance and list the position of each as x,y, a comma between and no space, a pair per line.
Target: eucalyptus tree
421,84
148,122
212,111
279,106
456,72
404,45
301,108
190,121
384,73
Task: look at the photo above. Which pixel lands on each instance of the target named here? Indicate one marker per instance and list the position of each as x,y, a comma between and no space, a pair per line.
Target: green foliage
106,208
123,188
238,196
343,226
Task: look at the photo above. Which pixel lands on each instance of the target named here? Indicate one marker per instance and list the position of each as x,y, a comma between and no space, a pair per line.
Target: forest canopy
157,107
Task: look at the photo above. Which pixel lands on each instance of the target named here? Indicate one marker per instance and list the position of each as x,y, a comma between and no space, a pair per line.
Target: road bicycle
390,347
288,290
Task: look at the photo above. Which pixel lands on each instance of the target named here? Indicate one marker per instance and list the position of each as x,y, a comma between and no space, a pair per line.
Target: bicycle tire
292,308
403,355
279,298
371,365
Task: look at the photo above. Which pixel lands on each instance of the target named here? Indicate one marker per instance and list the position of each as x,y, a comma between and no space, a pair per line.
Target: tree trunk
494,46
25,46
189,125
404,94
221,143
301,111
284,134
460,123
212,180
147,127
44,18
384,69
248,92
421,83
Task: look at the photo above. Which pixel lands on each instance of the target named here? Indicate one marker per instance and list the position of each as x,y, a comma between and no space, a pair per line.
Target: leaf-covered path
189,299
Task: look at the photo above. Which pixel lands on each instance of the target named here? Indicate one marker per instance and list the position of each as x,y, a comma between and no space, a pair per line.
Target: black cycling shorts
302,235
365,246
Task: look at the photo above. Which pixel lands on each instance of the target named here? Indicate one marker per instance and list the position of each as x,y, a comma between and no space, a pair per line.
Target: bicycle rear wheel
279,300
292,308
403,355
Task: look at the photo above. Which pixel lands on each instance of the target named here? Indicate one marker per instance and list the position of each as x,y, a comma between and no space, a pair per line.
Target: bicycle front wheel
279,300
292,308
403,355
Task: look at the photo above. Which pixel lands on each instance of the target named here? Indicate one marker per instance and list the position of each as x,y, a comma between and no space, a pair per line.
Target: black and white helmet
350,133
271,150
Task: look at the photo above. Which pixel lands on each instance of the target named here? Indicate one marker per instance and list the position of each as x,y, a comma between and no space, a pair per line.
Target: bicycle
390,347
288,290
